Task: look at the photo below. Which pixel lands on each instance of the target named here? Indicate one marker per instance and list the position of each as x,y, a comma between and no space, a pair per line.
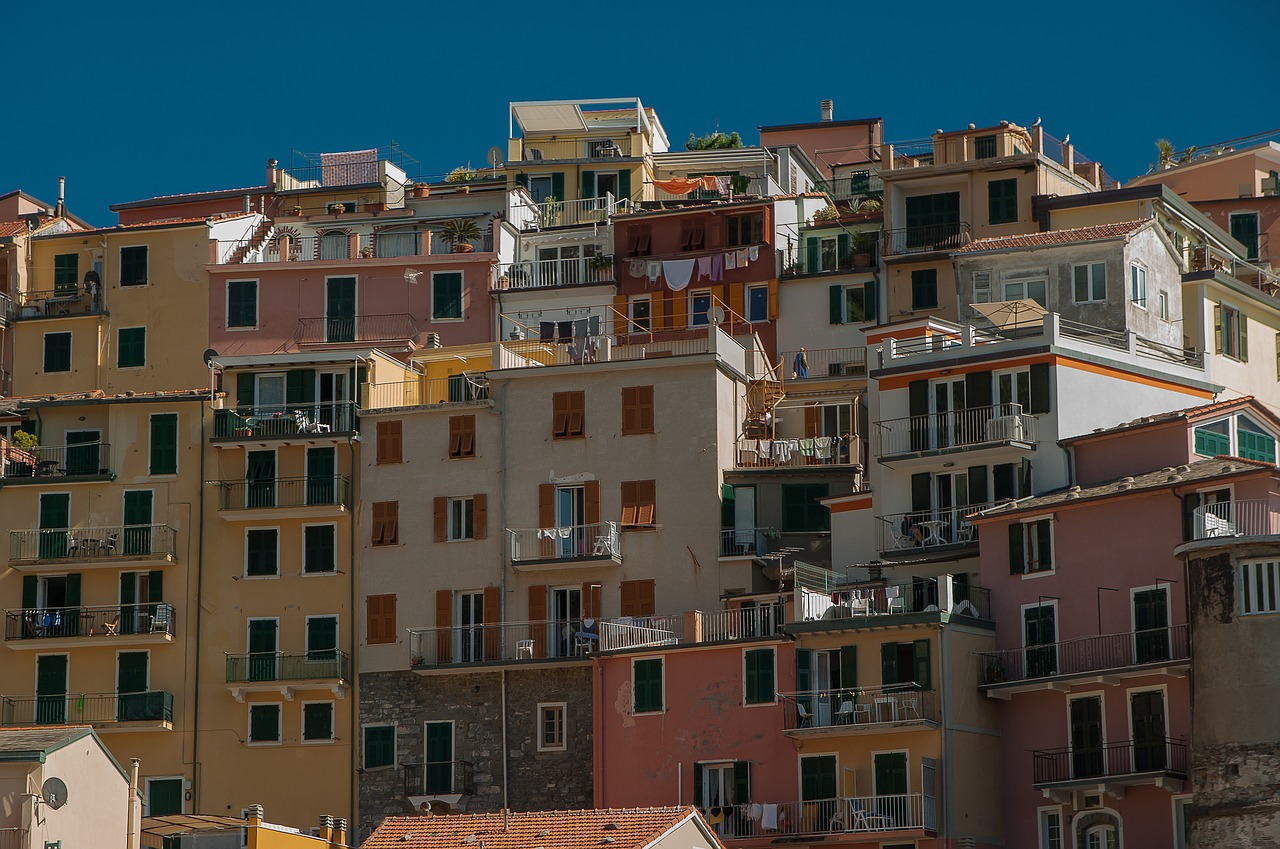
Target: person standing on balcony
800,368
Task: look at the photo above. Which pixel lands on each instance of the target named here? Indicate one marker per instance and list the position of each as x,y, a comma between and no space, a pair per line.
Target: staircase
763,394
251,243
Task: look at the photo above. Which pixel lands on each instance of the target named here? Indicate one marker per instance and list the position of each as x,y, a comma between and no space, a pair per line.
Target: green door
322,643
818,792
891,774
55,517
933,221
137,521
260,479
1244,229
1038,630
263,648
164,796
1086,737
132,671
1151,626
84,450
340,309
1147,710
321,471
51,689
439,758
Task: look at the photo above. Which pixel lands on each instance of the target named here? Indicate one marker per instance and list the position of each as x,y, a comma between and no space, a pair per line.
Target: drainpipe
131,828
502,592
944,672
354,619
505,805
199,617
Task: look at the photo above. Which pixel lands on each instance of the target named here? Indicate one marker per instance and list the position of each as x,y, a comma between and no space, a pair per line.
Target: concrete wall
1104,459
96,812
804,314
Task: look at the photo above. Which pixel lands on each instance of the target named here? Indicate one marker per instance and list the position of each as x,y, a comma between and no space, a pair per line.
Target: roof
97,396
819,125
1170,476
13,228
189,197
32,744
622,828
160,223
1052,238
167,826
1186,414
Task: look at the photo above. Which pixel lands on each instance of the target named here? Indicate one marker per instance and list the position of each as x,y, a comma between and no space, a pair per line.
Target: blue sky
135,99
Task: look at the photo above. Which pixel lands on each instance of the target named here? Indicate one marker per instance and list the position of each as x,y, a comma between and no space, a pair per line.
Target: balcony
1249,518
902,815
1160,761
640,632
932,237
825,362
869,602
801,262
501,642
739,623
305,422
284,498
64,627
571,213
393,330
854,185
787,453
460,389
745,542
105,711
438,779
1105,658
549,273
59,302
68,547
726,189
54,463
342,247
859,711
972,429
288,671
538,353
922,531
618,146
14,838
572,545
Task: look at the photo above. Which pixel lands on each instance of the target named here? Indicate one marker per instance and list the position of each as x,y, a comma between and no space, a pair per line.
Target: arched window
1102,837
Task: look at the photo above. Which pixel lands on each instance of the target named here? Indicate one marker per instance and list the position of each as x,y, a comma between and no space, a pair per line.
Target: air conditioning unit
433,341
1005,428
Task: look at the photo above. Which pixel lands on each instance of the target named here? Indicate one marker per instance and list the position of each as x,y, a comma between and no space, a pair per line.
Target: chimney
255,815
271,173
340,831
827,107
326,828
61,209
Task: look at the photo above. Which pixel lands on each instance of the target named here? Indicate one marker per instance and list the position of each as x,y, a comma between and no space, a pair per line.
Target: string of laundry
685,185
678,273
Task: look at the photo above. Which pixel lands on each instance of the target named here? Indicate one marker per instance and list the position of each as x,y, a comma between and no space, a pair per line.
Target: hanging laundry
769,817
730,260
704,267
580,328
546,331
724,185
576,351
636,268
564,332
717,268
593,326
684,185
753,253
742,258
677,272
825,448
652,270
754,811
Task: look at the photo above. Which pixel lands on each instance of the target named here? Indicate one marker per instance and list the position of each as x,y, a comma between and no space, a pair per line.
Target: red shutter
538,616
592,499
492,624
481,516
444,620
591,600
440,512
547,517
628,503
812,421
646,502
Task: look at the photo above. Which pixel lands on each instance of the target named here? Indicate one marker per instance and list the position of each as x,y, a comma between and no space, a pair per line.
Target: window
164,444
1252,443
801,509
242,303
1213,439
906,663
262,551
1230,332
541,186
639,243
131,347
693,236
1002,201
319,549
1031,546
568,409
66,273
389,442
462,436
640,315
133,265
264,723
438,750
757,303
1035,290
758,677
1259,587
321,638
924,288
57,352
317,722
164,797
1040,638
1050,828
984,147
379,746
638,503
446,295
637,410
461,519
743,230
1090,282
646,685
386,523
637,597
1244,229
1102,837
1181,822
551,727
380,619
1162,306
1138,285
699,308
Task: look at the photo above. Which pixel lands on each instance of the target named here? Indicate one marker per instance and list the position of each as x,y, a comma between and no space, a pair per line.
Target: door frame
1101,696
800,770
906,753
1128,709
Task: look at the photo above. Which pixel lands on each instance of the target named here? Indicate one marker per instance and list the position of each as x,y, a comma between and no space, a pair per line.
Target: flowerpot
861,260
463,248
466,190
375,207
421,191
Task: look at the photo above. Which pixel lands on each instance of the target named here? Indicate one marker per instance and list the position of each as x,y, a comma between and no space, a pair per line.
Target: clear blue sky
129,100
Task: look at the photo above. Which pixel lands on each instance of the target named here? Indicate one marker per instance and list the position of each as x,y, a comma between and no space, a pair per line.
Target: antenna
54,792
495,157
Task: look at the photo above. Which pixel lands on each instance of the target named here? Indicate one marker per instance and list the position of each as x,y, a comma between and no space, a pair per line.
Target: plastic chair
844,715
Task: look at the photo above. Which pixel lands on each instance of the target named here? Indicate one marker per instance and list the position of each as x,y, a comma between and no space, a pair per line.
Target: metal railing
637,632
119,542
394,328
1113,760
856,184
1085,654
285,420
611,147
932,237
937,526
535,274
442,245
1104,336
840,815
909,153
827,362
465,388
155,618
501,641
81,460
744,542
565,543
731,188
1253,517
572,213
799,261
973,427
921,596
287,666
789,453
534,353
14,838
50,303
1159,351
435,778
858,707
247,494
77,709
742,623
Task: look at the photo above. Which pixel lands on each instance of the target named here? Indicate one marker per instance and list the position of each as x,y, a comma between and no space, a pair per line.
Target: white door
470,620
566,619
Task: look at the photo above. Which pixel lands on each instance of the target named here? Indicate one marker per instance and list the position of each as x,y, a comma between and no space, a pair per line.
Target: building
252,831
846,151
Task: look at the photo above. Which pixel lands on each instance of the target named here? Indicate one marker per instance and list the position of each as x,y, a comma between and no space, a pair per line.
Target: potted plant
870,205
366,252
602,265
461,174
461,232
338,208
826,214
863,245
420,190
296,211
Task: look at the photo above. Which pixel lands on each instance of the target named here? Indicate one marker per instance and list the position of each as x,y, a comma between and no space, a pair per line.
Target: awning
185,823
549,117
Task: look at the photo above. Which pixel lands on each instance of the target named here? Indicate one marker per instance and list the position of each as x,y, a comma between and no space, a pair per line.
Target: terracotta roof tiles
624,828
1051,238
12,228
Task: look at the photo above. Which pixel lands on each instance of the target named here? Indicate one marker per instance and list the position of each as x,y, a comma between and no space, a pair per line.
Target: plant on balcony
461,174
295,210
420,190
366,252
461,232
338,208
827,213
713,141
863,245
25,441
601,262
870,205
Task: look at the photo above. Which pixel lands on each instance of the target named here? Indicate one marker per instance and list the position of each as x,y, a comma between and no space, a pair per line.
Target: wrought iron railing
83,708
1112,760
1247,518
856,184
501,641
285,420
1086,654
826,362
391,329
973,427
435,778
287,666
800,261
156,618
937,526
791,452
933,237
80,460
840,815
612,147
856,708
565,543
327,491
535,353
68,300
119,542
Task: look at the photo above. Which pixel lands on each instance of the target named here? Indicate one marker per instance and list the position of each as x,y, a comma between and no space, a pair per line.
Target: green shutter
918,398
1003,480
1242,322
836,300
1217,329
624,184
522,179
131,347
57,352
66,273
848,667
741,783
164,444
811,254
888,664
317,721
30,592
977,484
648,686
300,386
1017,558
264,723
1044,548
1211,444
242,303
155,586
871,302
557,185
379,746
922,672
261,551
698,769
890,774
1024,479
977,389
921,484
843,259
588,185
137,507
751,684
1039,388
804,674
322,637
245,390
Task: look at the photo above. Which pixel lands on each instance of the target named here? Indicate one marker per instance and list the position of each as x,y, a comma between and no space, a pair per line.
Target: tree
715,141
1164,149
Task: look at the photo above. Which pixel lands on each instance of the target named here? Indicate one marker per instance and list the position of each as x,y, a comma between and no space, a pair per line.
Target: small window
1162,306
924,288
389,442
859,303
317,722
646,685
1050,828
757,304
1252,443
319,550
57,352
640,315
461,518
1244,229
984,147
1259,587
758,677
379,746
568,412
693,236
1214,439
1031,546
551,736
1138,285
462,436
446,296
1090,282
133,265
380,619
1231,336
164,444
1035,290
639,243
638,597
386,523
637,410
744,230
638,503
262,553
242,303
131,347
66,274
802,511
1002,201
264,724
699,309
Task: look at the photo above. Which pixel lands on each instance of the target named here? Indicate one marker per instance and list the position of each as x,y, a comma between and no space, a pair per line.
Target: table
932,534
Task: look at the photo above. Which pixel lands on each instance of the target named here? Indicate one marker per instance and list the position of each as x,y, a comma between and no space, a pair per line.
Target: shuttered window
379,746
802,510
317,721
924,288
743,230
242,303
1031,546
66,273
638,598
638,503
462,436
380,619
131,347
758,678
646,686
389,442
57,352
446,295
320,551
264,723
568,414
386,523
1002,201
133,265
261,552
164,444
637,410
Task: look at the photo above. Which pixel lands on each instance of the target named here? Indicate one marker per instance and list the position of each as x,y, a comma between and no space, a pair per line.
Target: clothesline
678,273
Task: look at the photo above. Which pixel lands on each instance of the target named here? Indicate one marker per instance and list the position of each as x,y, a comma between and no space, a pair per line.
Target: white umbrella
1008,315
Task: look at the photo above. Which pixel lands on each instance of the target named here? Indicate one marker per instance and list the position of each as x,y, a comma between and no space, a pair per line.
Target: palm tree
1165,150
461,232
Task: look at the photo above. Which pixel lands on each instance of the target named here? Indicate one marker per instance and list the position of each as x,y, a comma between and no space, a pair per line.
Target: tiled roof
623,828
13,228
43,739
18,402
186,196
164,222
1051,238
1186,414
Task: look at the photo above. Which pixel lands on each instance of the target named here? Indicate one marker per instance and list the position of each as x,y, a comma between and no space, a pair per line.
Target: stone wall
1237,796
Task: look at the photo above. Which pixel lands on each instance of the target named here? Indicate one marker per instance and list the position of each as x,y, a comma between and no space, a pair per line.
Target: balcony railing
1236,519
855,709
536,274
933,237
573,542
284,666
78,709
857,184
792,453
326,491
827,362
85,459
392,329
975,427
729,189
635,632
285,420
118,621
14,838
439,778
62,301
742,623
501,641
1125,759
613,147
841,815
536,353
572,213
465,388
121,542
744,542
1086,654
800,261
923,596
933,528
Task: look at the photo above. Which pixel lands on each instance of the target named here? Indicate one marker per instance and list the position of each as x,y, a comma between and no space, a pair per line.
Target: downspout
354,618
199,616
502,592
505,805
597,721
944,668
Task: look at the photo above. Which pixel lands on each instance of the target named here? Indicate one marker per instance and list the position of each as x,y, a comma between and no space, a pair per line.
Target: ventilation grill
433,341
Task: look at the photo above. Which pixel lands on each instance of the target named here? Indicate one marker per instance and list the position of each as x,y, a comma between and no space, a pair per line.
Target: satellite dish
209,355
495,156
54,792
717,315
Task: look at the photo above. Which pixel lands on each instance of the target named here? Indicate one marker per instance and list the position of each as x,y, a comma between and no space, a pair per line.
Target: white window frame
1138,284
743,671
333,723
747,303
258,377
631,316
395,741
1162,305
147,786
120,268
245,556
1180,806
1101,829
1025,278
1090,282
563,709
539,178
302,540
466,505
839,775
1042,826
1231,335
1249,575
1026,547
462,297
663,661
306,632
711,306
257,306
985,277
248,715
1128,709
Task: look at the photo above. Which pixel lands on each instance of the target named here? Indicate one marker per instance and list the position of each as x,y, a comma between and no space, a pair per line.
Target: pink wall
638,758
219,206
834,143
1101,460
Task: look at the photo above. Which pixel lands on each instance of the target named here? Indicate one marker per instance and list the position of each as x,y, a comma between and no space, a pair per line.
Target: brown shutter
444,620
592,502
679,310
380,616
481,516
546,517
389,442
375,531
646,598
391,516
720,297
629,409
492,623
644,403
773,300
646,502
538,616
440,512
577,406
736,308
560,414
637,598
621,314
468,446
812,421
628,502
591,600
455,436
